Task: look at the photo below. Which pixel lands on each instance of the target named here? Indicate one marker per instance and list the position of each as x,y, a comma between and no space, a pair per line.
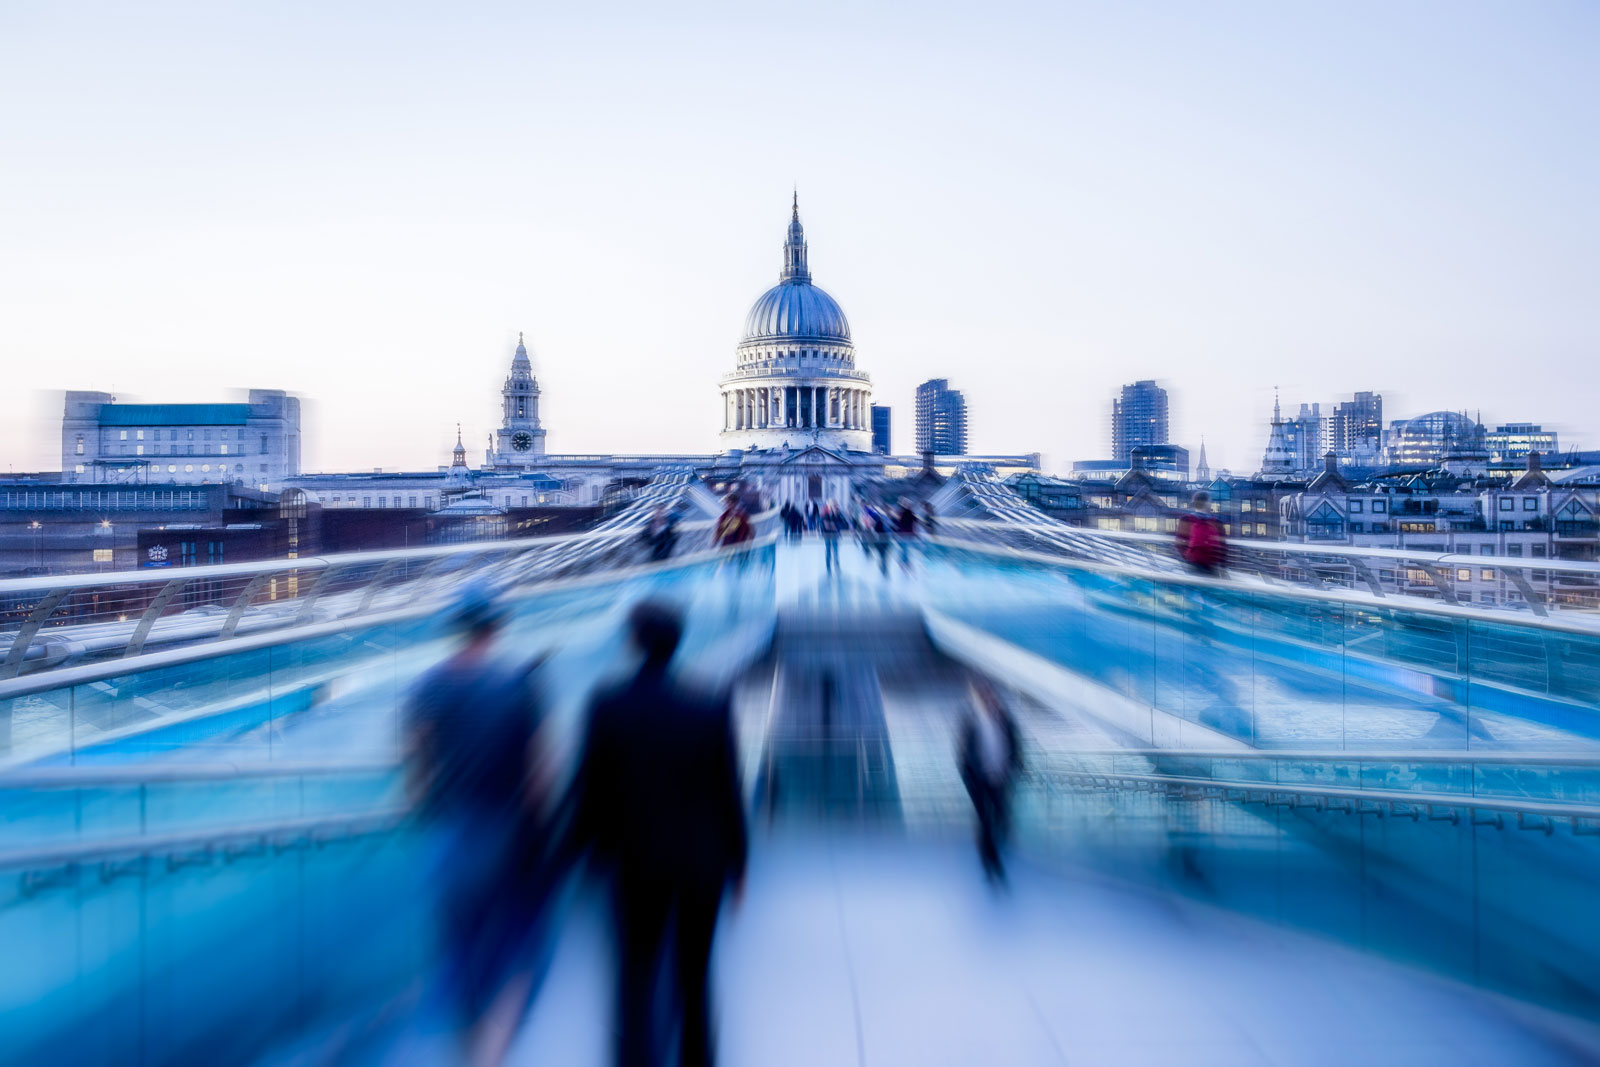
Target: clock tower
520,440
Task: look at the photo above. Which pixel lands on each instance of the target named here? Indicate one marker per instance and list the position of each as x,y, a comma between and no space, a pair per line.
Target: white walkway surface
875,951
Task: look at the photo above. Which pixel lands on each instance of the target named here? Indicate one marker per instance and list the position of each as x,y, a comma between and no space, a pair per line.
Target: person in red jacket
1201,543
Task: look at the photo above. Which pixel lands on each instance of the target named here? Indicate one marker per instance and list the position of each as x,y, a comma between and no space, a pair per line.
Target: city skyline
372,232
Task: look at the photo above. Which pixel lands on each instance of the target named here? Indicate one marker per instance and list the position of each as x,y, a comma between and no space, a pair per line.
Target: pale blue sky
364,204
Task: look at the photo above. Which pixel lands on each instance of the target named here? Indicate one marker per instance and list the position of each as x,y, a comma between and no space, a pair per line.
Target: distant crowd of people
879,527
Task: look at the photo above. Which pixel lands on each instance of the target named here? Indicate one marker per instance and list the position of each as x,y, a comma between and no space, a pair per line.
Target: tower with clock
520,439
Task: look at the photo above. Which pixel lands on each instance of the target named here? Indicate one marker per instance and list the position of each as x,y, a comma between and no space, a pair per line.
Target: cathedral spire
794,250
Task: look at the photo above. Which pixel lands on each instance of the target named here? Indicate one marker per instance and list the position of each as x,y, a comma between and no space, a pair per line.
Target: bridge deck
861,951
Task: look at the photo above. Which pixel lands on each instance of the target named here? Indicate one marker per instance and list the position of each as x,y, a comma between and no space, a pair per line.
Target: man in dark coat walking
990,758
656,803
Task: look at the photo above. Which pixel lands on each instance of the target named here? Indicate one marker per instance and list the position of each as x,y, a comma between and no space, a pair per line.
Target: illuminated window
188,468
122,435
1463,574
139,434
1487,574
102,555
224,450
80,444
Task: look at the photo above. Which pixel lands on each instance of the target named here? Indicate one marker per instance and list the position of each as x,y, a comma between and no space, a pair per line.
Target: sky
364,204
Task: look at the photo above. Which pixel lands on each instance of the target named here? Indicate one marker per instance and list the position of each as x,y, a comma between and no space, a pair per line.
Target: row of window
101,499
205,450
172,435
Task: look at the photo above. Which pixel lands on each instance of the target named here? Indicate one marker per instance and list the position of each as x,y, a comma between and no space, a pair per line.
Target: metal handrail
1305,549
307,831
146,773
93,672
1532,759
1419,605
1389,797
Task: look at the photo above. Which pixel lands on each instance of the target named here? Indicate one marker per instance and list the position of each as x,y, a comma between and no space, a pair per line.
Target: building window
1355,527
102,555
411,501
1487,574
383,501
263,443
1530,503
1355,507
138,435
208,435
1463,574
1380,506
122,435
1485,550
190,434
188,468
1538,551
366,501
80,445
191,449
172,435
224,450
1505,503
1486,598
206,467
1514,550
172,468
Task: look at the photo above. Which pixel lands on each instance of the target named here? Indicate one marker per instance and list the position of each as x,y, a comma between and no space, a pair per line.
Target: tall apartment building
941,419
880,429
1138,417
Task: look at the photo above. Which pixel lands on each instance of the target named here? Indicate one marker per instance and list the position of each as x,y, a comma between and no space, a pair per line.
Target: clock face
522,440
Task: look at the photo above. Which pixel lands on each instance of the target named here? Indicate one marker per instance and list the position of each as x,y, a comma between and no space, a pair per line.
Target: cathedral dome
796,309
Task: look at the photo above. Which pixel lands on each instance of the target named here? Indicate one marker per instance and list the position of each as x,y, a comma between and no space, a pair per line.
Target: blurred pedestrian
794,522
878,536
734,531
660,535
656,803
831,524
905,528
1201,541
990,757
475,771
813,514
930,525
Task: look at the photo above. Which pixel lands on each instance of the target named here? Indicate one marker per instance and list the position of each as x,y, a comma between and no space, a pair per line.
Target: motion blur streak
1011,796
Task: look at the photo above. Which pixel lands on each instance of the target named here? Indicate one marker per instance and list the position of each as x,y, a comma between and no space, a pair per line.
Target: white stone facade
255,443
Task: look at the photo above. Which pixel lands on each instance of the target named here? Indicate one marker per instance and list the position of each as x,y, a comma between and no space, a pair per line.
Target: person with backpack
1201,543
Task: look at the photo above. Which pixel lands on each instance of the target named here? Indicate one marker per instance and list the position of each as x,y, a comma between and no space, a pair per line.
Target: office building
1512,442
941,419
880,429
1355,429
255,443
